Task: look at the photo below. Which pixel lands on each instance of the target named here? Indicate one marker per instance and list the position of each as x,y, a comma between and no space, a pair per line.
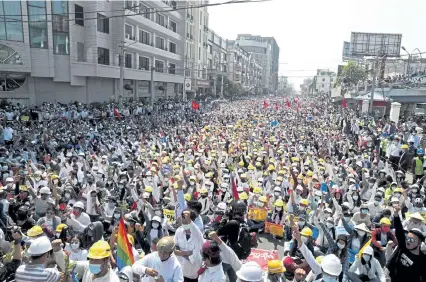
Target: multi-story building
217,57
197,19
266,52
282,84
243,68
63,51
324,81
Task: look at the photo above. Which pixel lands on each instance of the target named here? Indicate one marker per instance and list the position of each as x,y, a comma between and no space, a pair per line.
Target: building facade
216,58
324,81
64,51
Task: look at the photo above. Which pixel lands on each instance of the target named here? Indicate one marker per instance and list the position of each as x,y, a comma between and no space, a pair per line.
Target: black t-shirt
230,230
7,272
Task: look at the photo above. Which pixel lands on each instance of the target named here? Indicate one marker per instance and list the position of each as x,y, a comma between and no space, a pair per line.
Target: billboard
375,44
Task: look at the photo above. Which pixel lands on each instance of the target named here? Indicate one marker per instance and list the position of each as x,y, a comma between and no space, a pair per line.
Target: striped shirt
36,273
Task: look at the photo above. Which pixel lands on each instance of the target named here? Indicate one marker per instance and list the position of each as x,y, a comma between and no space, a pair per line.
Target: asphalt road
266,242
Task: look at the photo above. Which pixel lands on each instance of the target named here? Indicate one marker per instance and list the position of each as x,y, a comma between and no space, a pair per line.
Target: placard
261,257
274,229
170,214
258,214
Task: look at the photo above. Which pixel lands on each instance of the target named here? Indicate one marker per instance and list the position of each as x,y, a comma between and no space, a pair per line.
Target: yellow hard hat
279,203
23,188
397,190
319,259
35,231
99,250
60,227
243,176
300,176
187,197
385,221
258,164
304,202
257,190
241,163
203,191
271,167
251,167
54,176
306,232
209,174
310,173
275,266
405,146
148,189
243,196
263,199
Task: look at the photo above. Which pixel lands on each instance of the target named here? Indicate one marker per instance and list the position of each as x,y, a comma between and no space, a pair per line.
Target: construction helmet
243,196
99,250
35,231
40,246
203,191
257,190
304,202
166,244
148,189
331,265
279,203
263,199
385,221
60,227
187,197
306,232
275,266
250,272
45,190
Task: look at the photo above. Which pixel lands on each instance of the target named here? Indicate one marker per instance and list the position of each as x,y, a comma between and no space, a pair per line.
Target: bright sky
310,33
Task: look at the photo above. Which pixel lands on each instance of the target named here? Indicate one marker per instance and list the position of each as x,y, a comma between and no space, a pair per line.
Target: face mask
376,203
360,233
341,246
192,183
95,268
76,213
278,208
329,225
186,226
355,198
67,195
299,181
276,194
397,195
155,225
116,215
75,246
305,239
301,224
260,204
347,218
58,235
277,183
385,229
366,257
364,211
328,278
111,205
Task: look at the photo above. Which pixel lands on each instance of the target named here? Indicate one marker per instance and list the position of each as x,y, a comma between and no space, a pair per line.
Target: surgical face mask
155,225
397,195
347,218
328,278
414,191
75,246
364,211
186,226
95,268
116,215
366,257
278,183
192,183
329,225
58,234
376,203
341,245
299,181
360,233
278,208
301,224
67,195
305,239
260,204
276,194
111,205
355,197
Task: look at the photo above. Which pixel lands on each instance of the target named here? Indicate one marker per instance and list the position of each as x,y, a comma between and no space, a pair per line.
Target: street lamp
410,56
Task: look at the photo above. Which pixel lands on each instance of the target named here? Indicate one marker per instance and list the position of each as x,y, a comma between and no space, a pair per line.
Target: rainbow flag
124,248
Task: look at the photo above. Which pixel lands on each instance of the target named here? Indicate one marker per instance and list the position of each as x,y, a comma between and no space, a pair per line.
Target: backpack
242,247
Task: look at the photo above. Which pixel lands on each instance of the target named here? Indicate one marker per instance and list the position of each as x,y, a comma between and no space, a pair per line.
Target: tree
351,75
229,87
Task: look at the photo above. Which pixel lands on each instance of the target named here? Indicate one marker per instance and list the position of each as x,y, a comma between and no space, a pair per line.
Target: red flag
344,104
276,106
234,189
265,104
116,113
288,103
195,105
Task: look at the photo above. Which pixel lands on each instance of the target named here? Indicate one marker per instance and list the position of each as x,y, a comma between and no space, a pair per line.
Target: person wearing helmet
408,261
278,215
78,220
205,201
36,270
415,221
380,238
417,165
22,218
42,202
404,159
50,221
366,268
415,205
97,268
275,272
250,272
161,264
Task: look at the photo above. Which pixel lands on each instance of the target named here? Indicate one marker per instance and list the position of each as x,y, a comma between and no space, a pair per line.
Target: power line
136,14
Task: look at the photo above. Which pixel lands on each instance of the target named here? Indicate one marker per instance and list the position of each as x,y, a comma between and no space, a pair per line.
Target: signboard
261,257
170,214
274,229
258,214
375,44
187,84
203,83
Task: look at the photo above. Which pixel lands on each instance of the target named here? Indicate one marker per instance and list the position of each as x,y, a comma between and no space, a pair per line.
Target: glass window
79,15
103,56
145,11
60,27
11,21
173,26
144,37
160,20
37,24
128,30
172,68
160,43
159,66
143,63
103,24
128,61
81,52
172,47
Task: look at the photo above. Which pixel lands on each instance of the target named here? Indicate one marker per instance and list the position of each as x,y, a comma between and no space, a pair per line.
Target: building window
161,20
81,52
60,27
145,11
173,26
128,30
128,61
172,47
143,63
322,86
159,66
79,15
144,37
323,79
37,24
172,68
11,21
103,24
199,53
201,36
160,43
103,56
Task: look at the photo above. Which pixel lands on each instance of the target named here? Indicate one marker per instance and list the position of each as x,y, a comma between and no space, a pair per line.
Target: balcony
155,27
150,48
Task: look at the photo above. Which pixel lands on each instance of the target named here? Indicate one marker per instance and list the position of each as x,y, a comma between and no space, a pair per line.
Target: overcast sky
310,33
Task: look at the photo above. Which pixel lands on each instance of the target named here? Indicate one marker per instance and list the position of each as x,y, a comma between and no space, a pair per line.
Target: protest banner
274,229
262,257
258,214
170,214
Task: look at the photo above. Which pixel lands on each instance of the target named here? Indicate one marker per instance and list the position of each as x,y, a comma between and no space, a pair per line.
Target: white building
63,51
196,59
324,81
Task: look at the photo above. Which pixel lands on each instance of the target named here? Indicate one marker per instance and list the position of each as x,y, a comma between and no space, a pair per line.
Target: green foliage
351,75
229,87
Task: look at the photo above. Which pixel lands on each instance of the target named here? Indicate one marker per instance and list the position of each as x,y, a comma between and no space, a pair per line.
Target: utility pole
373,85
152,87
121,62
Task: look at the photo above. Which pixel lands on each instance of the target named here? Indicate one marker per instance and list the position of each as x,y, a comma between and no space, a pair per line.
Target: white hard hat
221,206
9,179
79,205
368,251
277,189
156,218
40,246
331,265
250,272
45,190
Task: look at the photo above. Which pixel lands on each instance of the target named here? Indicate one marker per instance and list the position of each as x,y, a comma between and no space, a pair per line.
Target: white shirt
78,255
374,272
170,270
192,264
80,223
